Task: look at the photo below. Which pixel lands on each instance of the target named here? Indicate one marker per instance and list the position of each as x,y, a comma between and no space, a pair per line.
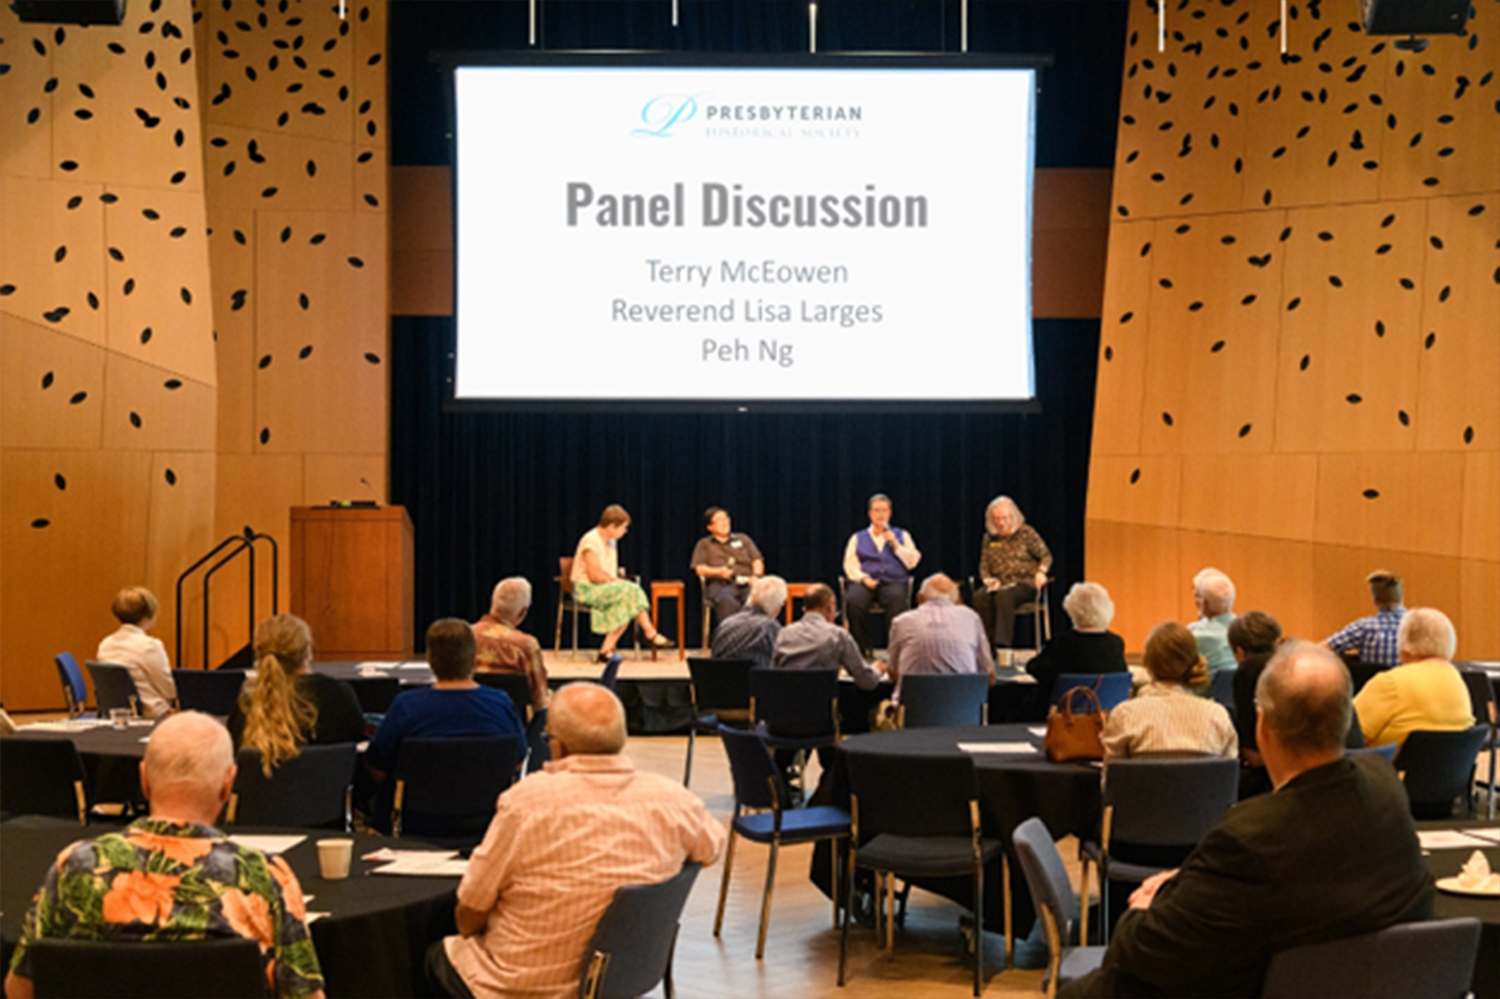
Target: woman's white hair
1089,606
1426,633
511,599
1216,588
769,594
1003,501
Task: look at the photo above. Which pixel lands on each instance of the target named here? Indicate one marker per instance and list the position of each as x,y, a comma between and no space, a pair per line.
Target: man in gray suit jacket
1331,853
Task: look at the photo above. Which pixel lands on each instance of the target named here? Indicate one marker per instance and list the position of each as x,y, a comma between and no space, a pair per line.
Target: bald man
1330,853
560,844
940,636
130,885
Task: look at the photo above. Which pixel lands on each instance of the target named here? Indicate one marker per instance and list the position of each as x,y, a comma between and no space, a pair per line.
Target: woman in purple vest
877,564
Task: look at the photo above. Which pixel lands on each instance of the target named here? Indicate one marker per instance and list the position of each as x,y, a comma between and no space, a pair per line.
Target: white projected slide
645,234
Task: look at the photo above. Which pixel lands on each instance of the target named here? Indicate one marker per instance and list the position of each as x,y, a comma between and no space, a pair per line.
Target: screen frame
448,62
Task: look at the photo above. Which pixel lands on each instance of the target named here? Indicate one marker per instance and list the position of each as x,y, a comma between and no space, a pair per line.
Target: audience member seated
1213,593
136,607
726,562
877,567
751,633
1374,637
613,602
1013,566
560,844
1331,854
940,636
454,706
173,876
1165,718
1088,647
1425,692
815,642
1253,637
284,706
502,647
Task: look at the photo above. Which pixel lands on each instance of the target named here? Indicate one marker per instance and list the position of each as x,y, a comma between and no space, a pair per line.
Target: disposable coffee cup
334,856
119,718
1007,658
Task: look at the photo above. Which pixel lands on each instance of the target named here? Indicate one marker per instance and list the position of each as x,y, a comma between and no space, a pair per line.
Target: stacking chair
1437,767
1040,609
214,692
1156,804
720,689
446,788
43,777
1056,905
1433,960
761,815
1386,752
631,950
114,687
375,693
75,691
1221,689
1482,694
223,968
796,709
915,816
312,789
1113,689
567,602
516,685
929,700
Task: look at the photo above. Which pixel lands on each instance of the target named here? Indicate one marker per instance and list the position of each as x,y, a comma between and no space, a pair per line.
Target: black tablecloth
1446,863
111,758
372,943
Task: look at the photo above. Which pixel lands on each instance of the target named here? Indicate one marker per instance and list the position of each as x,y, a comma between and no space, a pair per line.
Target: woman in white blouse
1166,718
612,602
135,607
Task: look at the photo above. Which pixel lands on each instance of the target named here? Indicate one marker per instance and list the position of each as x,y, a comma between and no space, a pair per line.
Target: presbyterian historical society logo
665,114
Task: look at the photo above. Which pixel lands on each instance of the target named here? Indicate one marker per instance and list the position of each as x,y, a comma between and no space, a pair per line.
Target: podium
352,580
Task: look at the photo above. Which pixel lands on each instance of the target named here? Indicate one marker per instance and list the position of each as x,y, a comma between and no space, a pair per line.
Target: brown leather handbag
1073,736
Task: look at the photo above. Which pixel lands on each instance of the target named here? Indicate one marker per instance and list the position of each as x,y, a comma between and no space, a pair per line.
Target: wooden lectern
352,580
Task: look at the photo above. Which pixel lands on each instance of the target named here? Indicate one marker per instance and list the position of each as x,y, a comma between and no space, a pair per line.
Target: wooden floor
802,949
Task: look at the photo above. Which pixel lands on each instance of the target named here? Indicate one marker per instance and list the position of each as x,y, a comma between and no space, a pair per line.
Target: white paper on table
387,854
267,844
425,867
1449,839
1004,677
71,725
313,917
1489,834
998,747
1037,730
374,668
418,664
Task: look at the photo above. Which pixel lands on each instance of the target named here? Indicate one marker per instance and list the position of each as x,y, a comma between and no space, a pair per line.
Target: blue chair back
930,700
1046,876
1431,959
1438,767
75,691
1112,688
631,950
214,692
1221,689
611,671
448,787
517,686
1386,752
752,768
311,789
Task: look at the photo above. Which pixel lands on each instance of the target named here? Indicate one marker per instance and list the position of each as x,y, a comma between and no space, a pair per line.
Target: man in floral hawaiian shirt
173,876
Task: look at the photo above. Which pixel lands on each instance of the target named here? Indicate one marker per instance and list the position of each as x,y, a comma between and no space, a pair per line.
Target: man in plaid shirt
1374,637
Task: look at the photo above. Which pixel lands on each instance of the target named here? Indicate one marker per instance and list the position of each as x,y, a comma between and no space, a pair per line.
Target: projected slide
640,234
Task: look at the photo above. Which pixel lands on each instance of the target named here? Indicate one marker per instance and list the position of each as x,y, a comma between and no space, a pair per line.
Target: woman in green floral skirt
612,602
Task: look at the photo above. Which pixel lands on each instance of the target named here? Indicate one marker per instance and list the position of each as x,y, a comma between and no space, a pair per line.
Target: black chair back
752,768
75,691
375,693
1112,689
448,787
1432,959
311,789
92,969
720,685
214,692
43,777
1221,689
114,687
1481,694
931,700
1164,803
909,795
795,703
631,951
517,686
1438,767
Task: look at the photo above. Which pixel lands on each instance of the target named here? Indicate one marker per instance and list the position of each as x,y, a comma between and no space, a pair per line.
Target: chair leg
979,928
1083,909
724,882
668,989
848,914
765,901
557,638
1009,913
1103,905
890,914
687,768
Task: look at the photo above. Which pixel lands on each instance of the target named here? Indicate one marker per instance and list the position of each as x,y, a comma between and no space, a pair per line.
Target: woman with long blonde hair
286,706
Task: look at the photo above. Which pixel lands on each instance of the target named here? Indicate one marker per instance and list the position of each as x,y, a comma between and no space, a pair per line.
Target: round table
372,943
111,756
1446,863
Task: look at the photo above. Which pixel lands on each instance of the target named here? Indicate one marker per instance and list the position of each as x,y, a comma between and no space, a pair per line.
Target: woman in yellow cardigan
1425,692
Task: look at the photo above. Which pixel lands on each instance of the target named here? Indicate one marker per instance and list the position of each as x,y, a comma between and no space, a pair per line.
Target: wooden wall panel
256,491
182,487
1478,624
1137,564
1124,340
1136,489
142,410
51,388
329,477
1481,521
231,247
26,107
264,169
1263,495
48,279
1401,501
1264,570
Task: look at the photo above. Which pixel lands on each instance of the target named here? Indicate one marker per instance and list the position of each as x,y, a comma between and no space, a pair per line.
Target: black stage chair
631,950
796,709
75,691
446,788
92,969
311,789
114,687
43,777
1486,712
1058,908
214,692
761,815
1438,767
516,685
720,690
915,817
1433,960
931,700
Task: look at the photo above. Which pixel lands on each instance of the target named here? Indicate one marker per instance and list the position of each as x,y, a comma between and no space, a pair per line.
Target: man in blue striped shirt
1375,636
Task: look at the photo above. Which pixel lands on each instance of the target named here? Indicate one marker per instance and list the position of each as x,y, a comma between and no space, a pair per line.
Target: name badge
736,543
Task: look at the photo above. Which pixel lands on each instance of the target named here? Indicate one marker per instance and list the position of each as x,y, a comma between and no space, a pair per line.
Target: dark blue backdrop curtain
496,494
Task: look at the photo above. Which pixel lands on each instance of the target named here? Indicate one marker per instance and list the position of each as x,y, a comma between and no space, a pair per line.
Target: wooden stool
794,592
675,590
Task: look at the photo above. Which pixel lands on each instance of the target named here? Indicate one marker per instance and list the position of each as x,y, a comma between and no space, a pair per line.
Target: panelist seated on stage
1332,853
816,642
502,647
751,633
1013,566
453,707
1087,647
1425,692
1374,637
1213,595
560,844
136,607
940,636
613,602
173,876
285,706
1166,718
877,565
726,561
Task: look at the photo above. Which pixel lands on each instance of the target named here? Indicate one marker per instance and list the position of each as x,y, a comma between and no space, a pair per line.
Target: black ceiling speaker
1414,17
70,11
